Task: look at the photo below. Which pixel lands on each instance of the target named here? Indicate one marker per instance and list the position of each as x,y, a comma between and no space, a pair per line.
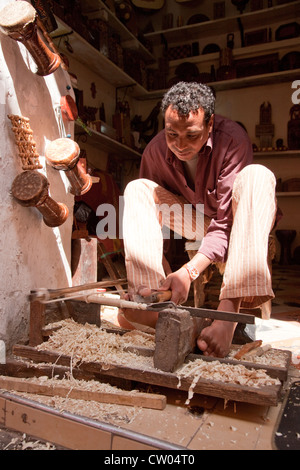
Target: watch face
193,272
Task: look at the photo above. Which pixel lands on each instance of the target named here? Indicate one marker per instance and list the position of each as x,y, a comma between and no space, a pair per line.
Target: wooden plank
267,396
37,322
16,368
49,294
275,372
144,400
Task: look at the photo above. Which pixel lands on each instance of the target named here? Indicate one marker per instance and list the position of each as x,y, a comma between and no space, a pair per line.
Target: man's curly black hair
187,97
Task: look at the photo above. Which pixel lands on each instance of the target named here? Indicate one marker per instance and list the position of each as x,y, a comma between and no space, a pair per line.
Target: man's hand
179,283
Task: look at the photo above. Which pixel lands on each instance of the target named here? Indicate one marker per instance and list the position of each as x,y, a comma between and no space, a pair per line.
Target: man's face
186,135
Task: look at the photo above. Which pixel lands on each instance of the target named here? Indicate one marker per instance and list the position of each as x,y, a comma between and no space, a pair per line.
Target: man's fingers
144,291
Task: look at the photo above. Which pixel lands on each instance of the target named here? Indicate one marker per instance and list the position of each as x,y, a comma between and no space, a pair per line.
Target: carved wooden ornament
63,154
18,20
30,189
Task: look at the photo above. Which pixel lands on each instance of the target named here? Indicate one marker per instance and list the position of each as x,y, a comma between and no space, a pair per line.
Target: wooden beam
268,395
144,400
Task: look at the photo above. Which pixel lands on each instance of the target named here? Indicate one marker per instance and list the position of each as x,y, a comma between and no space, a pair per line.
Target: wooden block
37,322
175,338
83,312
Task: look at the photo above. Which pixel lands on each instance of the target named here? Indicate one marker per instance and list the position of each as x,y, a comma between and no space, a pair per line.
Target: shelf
278,154
250,20
106,143
242,52
256,80
236,83
288,194
93,7
87,55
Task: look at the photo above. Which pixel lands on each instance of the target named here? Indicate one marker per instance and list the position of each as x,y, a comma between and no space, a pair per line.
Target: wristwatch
193,272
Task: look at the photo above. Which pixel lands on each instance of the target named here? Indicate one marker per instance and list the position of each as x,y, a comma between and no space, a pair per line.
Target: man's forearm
200,262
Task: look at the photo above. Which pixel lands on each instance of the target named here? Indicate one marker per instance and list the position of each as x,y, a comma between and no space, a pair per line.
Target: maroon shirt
226,152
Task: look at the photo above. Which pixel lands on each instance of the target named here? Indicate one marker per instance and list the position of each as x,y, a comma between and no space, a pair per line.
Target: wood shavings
110,413
103,412
273,357
25,443
88,343
226,373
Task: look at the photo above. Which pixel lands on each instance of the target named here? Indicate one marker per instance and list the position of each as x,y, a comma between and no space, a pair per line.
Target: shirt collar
207,148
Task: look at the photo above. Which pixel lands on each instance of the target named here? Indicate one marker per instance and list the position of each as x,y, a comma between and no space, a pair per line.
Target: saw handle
162,296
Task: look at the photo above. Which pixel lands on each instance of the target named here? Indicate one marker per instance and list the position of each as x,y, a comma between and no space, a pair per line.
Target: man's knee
138,187
254,176
257,172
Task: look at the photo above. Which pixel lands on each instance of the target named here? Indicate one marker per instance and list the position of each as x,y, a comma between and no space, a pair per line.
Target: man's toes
202,345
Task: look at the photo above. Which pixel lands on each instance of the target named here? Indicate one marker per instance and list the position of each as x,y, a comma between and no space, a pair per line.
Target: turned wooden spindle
63,154
30,189
18,20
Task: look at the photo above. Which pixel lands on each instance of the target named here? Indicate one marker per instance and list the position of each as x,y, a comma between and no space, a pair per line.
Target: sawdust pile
89,343
103,412
226,373
274,357
26,443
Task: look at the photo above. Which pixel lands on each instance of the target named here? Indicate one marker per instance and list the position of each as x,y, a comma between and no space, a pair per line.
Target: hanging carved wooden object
63,154
18,20
294,128
25,142
240,4
265,129
30,189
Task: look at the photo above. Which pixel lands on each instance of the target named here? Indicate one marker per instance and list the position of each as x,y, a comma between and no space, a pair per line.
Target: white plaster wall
32,255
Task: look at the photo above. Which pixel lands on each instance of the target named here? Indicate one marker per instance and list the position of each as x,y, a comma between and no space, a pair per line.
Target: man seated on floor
200,159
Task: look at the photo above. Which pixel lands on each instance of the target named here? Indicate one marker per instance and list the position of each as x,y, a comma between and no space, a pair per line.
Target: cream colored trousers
247,274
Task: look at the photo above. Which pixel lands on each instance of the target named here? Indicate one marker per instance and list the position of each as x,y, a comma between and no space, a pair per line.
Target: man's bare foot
127,318
215,340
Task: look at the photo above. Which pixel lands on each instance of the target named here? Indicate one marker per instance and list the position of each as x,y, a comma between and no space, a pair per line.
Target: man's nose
180,143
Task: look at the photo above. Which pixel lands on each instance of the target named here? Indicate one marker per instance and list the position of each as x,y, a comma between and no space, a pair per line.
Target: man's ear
211,122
